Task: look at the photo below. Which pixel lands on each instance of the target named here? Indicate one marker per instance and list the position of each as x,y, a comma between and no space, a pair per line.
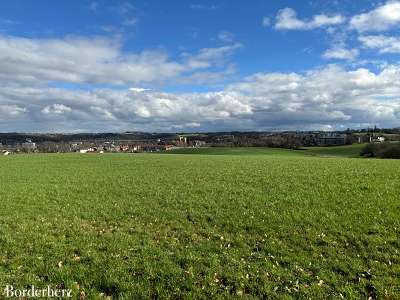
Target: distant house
370,139
28,146
156,148
377,139
182,139
124,148
198,143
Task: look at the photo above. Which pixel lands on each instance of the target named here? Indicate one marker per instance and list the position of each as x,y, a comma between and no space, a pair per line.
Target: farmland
250,224
338,151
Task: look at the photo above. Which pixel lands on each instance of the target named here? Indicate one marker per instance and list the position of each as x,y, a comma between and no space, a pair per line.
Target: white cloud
324,20
193,124
185,126
382,18
7,111
57,109
208,57
103,113
80,60
139,89
341,53
327,96
384,44
286,19
97,60
319,98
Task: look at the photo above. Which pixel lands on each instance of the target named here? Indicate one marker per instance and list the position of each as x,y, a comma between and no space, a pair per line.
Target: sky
193,66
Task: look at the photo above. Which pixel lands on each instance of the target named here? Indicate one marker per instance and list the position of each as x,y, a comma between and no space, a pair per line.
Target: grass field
338,151
237,151
140,226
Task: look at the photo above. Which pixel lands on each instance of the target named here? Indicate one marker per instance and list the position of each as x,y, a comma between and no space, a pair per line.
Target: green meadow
209,224
338,151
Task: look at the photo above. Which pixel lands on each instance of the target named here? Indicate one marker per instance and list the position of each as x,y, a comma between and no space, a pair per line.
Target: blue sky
178,25
198,65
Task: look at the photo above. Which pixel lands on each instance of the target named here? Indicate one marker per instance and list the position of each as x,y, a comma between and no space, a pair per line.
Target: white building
377,139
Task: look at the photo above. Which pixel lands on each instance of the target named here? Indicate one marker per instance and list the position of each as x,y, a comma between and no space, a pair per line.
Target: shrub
391,152
381,150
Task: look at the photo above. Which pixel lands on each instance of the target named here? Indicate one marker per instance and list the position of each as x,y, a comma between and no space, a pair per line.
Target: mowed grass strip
201,227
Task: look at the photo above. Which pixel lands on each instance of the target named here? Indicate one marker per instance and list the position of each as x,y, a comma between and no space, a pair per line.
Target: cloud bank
330,97
77,83
98,60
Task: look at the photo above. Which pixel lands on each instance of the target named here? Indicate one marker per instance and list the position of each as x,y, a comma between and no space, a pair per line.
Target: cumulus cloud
97,60
36,93
11,111
78,60
328,96
208,57
384,44
323,98
286,19
341,53
186,126
57,109
383,17
134,89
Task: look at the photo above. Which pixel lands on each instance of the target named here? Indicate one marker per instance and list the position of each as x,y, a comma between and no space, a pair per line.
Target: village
143,142
98,146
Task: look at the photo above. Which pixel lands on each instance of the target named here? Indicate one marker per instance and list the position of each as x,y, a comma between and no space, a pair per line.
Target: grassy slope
236,151
340,151
137,226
